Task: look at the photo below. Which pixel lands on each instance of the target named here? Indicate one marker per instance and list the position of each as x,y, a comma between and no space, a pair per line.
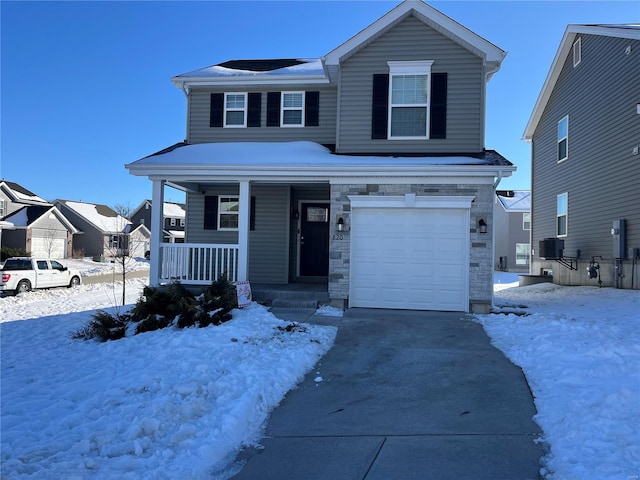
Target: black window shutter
273,109
252,214
312,109
438,120
380,106
254,109
211,212
217,110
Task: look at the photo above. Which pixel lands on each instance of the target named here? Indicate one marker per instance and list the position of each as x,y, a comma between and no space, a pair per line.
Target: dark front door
314,240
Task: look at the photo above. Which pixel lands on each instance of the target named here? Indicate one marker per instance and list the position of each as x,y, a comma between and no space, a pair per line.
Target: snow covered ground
178,404
580,350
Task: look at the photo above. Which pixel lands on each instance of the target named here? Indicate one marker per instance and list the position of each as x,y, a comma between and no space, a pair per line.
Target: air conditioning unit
551,248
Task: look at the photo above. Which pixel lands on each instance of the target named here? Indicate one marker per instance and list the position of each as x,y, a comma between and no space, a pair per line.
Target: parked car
22,274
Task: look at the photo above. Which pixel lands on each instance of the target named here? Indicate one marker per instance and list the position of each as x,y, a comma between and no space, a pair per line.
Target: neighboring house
512,215
38,227
365,169
173,220
105,232
585,135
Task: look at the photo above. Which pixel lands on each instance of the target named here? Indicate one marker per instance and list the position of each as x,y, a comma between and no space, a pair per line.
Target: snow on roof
288,154
302,66
515,200
173,210
21,194
101,216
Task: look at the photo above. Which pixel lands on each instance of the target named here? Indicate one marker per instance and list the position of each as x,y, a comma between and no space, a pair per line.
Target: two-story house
365,168
585,136
512,220
173,219
32,225
105,233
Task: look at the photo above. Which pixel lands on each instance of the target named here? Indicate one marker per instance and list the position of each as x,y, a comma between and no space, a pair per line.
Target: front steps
291,296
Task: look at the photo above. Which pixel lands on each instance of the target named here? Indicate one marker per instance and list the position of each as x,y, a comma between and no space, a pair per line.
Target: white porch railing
197,263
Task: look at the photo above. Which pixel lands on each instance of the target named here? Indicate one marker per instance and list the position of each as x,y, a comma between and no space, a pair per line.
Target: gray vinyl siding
268,243
91,241
601,174
199,130
412,40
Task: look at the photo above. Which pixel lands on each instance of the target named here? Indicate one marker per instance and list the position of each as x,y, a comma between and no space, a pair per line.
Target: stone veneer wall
481,251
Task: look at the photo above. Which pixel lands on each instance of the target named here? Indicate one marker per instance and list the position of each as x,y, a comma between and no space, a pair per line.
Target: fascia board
188,82
287,172
558,61
456,31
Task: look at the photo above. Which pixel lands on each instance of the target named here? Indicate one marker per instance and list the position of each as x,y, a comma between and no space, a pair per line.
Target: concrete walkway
405,395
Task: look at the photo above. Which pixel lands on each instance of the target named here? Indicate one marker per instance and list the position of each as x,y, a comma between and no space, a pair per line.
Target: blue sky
85,86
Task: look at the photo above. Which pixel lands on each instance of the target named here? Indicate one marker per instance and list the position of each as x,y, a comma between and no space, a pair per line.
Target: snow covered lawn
164,404
579,348
179,404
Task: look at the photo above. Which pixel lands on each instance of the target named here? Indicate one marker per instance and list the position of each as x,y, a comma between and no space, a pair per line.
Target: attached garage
46,247
410,252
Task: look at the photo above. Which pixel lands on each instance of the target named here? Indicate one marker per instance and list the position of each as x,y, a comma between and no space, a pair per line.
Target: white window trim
172,222
577,51
528,245
182,222
560,160
566,215
243,110
2,207
524,222
220,212
422,67
283,109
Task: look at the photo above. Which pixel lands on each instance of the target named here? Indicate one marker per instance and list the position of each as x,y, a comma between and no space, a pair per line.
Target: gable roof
515,200
19,194
103,218
169,210
448,27
630,31
27,216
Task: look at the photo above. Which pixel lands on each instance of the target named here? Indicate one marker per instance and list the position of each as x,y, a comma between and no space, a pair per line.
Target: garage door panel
409,258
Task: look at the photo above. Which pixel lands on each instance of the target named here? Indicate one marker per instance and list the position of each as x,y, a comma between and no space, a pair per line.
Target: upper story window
563,139
2,208
577,52
182,222
235,109
409,87
292,113
172,222
228,213
562,212
526,221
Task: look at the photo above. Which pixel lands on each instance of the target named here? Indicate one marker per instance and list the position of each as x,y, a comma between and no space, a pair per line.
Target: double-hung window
292,113
409,86
523,250
235,109
526,221
562,210
563,139
228,213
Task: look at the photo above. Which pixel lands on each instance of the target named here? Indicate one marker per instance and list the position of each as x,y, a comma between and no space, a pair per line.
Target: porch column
157,206
243,231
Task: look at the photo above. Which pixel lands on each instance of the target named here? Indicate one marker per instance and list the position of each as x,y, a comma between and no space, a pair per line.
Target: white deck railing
197,263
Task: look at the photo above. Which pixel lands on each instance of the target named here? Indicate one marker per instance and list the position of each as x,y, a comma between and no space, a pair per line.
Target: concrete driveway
405,395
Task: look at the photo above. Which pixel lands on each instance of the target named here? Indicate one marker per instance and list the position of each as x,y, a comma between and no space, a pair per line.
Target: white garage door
48,247
410,258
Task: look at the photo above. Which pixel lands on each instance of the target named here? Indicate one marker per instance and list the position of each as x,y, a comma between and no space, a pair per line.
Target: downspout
188,115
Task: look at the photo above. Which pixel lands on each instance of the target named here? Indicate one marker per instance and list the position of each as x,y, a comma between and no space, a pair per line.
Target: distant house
364,170
37,227
512,214
585,135
105,232
173,220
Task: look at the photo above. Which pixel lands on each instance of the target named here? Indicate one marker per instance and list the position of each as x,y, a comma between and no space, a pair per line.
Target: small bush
104,326
161,307
8,252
